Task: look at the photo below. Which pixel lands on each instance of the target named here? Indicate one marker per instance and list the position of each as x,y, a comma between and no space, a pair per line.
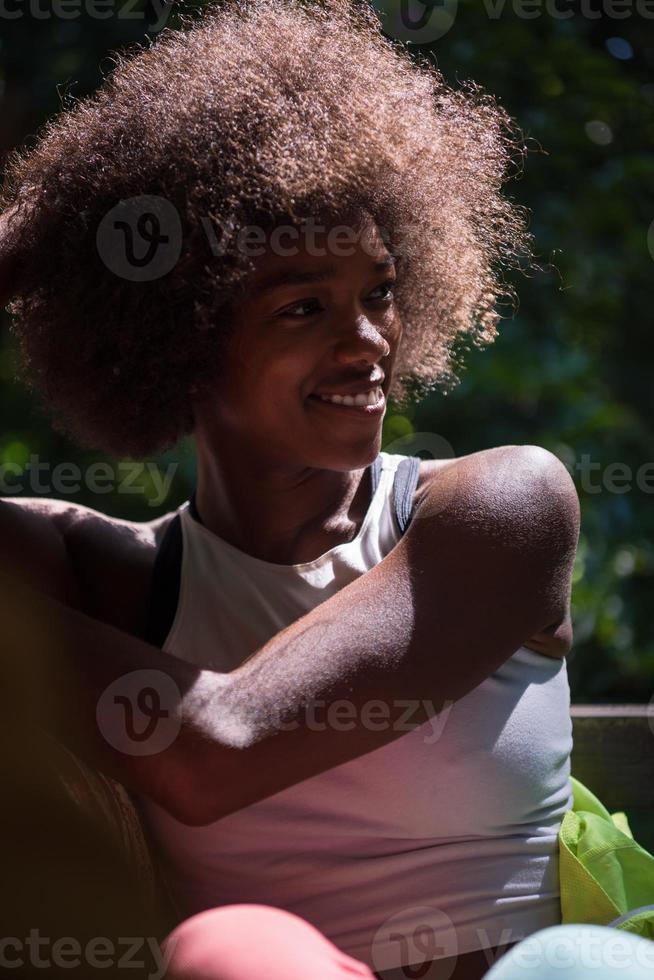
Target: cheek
290,376
270,397
281,394
273,373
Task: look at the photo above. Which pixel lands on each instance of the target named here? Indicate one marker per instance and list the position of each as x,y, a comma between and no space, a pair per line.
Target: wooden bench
613,755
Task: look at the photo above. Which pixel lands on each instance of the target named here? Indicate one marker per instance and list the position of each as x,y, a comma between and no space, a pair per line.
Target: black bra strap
375,473
404,487
193,508
164,584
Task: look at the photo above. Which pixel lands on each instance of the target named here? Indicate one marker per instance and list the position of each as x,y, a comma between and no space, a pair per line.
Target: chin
351,457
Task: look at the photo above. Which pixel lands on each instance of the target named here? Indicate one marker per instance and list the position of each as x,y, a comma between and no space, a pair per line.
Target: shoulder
80,556
511,507
506,485
496,459
32,545
509,517
113,560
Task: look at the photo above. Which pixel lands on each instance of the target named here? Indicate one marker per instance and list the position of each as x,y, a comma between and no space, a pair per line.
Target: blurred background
570,371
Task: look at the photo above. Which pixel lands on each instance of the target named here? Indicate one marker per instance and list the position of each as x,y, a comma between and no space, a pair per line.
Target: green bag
606,878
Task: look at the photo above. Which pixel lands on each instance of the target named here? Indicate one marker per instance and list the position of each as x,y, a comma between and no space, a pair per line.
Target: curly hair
254,112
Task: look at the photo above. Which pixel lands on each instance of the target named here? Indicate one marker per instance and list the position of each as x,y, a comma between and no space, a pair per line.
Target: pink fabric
251,942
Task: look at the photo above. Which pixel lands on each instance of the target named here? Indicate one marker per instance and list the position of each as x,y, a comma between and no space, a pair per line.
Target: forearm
57,670
62,670
228,750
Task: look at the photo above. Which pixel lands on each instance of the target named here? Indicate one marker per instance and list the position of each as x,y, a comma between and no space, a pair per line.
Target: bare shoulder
501,488
112,560
511,514
80,556
32,546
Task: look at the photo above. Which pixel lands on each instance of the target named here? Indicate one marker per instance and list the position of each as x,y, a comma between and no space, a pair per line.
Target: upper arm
33,546
506,521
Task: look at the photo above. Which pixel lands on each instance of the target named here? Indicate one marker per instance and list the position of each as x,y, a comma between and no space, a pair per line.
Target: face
320,319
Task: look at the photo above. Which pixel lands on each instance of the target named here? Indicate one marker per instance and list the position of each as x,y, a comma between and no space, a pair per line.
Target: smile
371,402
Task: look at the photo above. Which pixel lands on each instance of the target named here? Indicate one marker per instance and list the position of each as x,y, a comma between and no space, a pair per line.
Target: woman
309,571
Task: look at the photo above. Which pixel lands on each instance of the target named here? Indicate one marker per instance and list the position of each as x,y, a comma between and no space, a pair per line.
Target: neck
275,512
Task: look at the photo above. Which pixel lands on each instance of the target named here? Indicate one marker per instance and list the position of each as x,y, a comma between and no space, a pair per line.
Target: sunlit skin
279,473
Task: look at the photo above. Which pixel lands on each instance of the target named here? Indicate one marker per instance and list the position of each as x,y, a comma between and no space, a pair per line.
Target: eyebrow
294,277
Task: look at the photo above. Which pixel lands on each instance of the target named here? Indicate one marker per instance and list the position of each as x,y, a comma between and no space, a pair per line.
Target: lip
354,389
362,411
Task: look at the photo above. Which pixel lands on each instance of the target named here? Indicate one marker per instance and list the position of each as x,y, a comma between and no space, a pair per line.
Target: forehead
297,255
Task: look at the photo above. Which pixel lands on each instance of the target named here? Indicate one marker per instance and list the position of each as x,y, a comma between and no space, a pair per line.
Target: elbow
197,812
204,808
211,782
192,802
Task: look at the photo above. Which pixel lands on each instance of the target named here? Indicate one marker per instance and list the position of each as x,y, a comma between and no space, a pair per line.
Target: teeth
371,397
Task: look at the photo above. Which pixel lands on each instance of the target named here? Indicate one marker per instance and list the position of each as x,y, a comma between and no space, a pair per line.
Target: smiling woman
308,566
264,115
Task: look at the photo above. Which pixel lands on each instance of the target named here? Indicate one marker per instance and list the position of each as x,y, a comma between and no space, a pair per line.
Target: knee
577,952
248,942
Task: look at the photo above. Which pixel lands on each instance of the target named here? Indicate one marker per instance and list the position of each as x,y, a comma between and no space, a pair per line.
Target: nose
362,341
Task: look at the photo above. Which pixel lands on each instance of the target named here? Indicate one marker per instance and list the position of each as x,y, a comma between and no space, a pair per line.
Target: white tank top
441,842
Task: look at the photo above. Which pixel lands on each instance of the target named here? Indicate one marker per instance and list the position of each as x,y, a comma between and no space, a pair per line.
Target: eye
289,309
388,286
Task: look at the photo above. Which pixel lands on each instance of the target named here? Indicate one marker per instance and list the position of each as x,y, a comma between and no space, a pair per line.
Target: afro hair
253,113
